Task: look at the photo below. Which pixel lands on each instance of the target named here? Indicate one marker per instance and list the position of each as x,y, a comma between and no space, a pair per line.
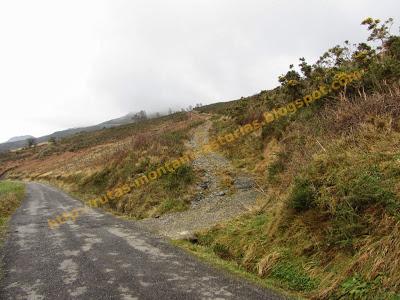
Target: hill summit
19,138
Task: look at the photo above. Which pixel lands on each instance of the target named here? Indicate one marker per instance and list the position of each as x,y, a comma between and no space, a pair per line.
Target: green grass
177,181
292,276
355,287
172,205
11,195
207,255
358,288
348,189
242,244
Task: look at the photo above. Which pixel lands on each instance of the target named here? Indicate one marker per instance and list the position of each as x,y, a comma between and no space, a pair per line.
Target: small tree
292,83
305,68
31,142
52,140
142,115
377,30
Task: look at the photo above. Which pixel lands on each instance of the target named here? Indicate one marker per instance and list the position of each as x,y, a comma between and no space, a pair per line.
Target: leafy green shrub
365,189
302,196
393,45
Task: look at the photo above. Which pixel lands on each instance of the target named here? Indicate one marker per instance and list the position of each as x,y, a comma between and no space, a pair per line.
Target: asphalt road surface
102,257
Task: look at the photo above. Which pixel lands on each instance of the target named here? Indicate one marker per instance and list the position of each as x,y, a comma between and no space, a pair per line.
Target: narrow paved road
102,257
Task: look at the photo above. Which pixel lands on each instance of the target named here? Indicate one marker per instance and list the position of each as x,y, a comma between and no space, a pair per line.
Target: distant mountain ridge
20,138
18,142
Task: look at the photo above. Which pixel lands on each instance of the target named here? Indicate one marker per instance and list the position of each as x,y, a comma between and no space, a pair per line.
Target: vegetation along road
102,257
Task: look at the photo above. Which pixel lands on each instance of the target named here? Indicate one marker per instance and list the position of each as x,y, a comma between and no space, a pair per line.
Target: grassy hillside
329,225
89,164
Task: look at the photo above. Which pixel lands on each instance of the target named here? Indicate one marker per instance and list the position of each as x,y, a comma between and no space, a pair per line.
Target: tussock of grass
206,254
243,242
172,205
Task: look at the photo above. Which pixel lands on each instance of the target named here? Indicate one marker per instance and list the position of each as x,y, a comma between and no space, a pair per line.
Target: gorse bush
303,195
173,139
367,188
348,190
380,63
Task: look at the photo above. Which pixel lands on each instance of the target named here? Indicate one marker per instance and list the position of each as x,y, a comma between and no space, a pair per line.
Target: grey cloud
124,55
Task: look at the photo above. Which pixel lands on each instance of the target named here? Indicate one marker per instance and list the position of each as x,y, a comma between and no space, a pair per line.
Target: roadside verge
11,195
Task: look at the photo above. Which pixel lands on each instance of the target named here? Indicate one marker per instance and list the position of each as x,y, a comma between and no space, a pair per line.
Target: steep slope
221,195
328,226
329,220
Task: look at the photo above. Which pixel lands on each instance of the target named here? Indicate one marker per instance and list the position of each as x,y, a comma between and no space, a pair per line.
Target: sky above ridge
74,63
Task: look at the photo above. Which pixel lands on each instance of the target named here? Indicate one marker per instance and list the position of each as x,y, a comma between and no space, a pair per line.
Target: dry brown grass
380,109
351,129
109,158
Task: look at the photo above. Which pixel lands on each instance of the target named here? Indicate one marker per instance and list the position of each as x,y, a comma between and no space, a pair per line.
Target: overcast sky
74,63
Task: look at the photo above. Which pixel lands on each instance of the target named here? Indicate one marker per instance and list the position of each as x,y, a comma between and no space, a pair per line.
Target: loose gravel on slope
213,204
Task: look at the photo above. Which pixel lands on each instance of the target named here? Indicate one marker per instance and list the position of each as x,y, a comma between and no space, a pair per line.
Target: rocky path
213,203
